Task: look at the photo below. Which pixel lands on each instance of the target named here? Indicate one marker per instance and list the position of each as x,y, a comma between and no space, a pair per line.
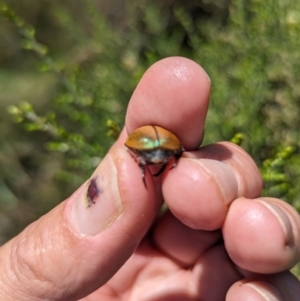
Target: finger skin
215,274
215,176
174,94
249,180
277,287
180,242
51,260
159,277
253,291
262,235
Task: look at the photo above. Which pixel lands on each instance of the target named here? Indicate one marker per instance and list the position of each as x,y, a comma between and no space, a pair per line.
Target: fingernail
222,175
283,220
99,203
267,291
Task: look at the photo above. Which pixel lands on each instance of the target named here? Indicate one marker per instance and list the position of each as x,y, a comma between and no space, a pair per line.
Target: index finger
174,94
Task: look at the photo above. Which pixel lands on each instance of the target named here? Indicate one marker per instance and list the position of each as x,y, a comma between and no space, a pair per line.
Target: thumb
74,249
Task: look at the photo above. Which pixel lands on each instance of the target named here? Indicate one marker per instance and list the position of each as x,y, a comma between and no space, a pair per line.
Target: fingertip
255,238
211,187
174,94
201,188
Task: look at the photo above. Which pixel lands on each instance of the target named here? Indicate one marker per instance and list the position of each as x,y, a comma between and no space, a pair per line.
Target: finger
205,183
74,249
214,274
143,276
262,235
180,242
278,287
157,277
174,94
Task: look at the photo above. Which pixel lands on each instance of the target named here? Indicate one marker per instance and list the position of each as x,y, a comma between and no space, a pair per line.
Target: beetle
152,144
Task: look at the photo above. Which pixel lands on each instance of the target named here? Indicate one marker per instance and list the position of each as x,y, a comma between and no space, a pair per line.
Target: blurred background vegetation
68,69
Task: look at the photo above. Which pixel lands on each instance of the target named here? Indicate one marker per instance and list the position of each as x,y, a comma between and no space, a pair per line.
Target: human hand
218,238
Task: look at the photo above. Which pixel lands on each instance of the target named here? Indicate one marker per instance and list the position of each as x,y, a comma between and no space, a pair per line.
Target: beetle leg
142,166
176,161
161,170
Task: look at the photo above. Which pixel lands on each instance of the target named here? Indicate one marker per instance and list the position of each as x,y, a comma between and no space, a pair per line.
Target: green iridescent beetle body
153,144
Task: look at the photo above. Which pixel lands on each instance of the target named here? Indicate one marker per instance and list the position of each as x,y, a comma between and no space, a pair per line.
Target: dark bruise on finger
92,193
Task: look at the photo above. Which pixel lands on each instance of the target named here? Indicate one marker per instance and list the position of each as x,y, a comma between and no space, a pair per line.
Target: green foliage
278,176
93,55
80,120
